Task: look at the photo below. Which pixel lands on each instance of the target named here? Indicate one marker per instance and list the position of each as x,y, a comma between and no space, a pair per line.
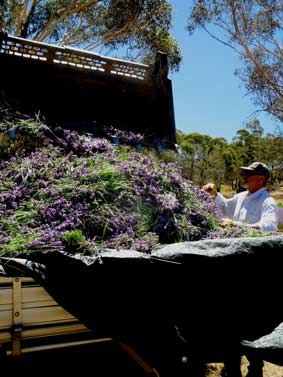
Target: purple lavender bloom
60,189
167,202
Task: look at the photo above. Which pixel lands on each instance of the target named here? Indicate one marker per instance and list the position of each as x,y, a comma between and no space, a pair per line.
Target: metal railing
69,56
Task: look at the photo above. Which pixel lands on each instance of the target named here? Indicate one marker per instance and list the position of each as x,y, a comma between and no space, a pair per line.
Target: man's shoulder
268,197
241,194
266,193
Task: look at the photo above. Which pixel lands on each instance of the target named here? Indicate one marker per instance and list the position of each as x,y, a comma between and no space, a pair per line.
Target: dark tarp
268,347
202,298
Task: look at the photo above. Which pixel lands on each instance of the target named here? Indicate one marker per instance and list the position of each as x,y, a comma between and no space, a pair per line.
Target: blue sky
208,98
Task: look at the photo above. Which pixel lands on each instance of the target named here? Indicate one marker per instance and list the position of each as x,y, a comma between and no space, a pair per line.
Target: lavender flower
77,184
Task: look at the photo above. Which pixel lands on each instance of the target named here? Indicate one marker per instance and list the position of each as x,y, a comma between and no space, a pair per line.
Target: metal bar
72,50
17,316
139,360
130,351
60,345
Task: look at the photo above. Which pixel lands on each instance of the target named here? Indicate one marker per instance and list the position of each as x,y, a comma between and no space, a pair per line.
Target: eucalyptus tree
243,142
251,144
139,28
273,148
203,157
253,29
215,166
231,160
257,140
186,159
196,146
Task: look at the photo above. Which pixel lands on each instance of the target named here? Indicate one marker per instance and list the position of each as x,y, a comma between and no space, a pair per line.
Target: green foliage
27,134
70,191
168,156
202,159
74,240
253,29
140,28
207,159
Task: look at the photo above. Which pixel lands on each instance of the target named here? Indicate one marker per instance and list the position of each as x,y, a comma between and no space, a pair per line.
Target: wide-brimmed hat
256,168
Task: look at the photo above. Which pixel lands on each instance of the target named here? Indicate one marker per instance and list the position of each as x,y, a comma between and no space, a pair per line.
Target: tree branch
67,12
29,16
114,33
19,17
251,56
220,40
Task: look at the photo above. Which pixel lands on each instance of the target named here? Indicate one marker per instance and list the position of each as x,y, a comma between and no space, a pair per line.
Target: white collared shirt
258,208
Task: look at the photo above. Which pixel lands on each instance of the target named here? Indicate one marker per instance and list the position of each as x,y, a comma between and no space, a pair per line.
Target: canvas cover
196,298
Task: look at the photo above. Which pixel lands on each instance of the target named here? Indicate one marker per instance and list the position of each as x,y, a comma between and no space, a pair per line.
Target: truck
77,89
74,89
37,335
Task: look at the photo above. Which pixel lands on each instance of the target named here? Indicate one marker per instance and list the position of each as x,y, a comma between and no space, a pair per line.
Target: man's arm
269,218
227,206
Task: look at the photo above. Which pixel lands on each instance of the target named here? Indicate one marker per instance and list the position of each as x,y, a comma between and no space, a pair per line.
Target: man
255,207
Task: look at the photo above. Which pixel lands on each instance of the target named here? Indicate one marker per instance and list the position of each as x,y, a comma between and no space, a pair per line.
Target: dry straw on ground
269,370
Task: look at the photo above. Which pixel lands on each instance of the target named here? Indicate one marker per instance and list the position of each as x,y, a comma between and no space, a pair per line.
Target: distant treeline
205,158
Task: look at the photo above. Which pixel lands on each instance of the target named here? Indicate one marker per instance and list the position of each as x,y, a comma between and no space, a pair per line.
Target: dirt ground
269,370
278,194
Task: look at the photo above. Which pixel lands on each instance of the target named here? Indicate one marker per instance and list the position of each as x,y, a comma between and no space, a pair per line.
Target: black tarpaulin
200,298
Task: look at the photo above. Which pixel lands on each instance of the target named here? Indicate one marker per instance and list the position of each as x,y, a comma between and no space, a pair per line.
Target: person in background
255,207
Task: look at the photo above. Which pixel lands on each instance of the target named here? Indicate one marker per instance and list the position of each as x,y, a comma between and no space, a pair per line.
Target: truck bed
28,312
32,322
